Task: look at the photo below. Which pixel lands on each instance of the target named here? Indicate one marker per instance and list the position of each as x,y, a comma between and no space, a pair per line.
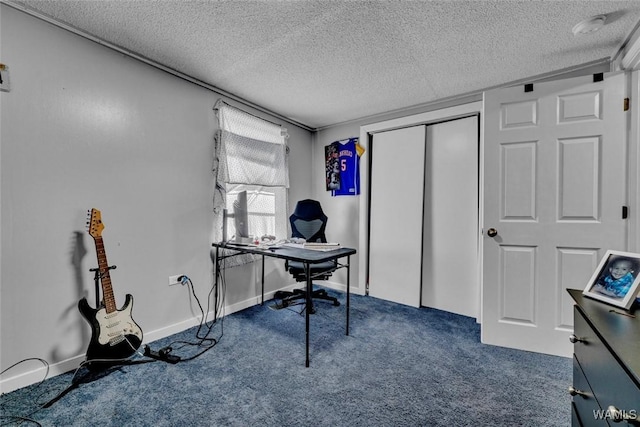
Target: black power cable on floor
207,325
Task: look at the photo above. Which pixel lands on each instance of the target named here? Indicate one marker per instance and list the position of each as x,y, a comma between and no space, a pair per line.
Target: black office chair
308,221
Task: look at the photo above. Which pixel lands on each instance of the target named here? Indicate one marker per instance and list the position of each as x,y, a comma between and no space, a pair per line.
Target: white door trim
417,119
634,160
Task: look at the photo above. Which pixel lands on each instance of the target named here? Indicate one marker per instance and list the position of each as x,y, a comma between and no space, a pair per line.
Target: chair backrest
308,221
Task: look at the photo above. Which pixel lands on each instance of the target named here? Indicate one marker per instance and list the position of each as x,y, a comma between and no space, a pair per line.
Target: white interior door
450,280
554,187
396,213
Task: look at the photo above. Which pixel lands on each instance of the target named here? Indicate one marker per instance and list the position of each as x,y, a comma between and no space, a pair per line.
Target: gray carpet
400,366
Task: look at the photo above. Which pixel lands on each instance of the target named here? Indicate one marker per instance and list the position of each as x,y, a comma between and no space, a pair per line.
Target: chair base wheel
289,298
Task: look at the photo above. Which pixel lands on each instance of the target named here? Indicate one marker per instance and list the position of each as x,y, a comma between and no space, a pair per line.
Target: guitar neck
105,278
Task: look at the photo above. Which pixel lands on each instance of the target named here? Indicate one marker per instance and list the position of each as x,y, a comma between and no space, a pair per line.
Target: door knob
574,339
492,232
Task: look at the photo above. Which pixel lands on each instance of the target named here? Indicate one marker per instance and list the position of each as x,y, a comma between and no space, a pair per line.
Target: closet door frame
366,134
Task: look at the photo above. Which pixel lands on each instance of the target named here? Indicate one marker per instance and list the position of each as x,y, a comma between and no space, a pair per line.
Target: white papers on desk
293,245
315,246
241,245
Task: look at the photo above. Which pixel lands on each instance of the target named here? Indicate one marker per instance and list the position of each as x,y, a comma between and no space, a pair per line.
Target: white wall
84,126
342,211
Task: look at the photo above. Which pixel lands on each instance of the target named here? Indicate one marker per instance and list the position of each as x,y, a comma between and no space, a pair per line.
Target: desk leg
216,272
348,293
307,309
262,302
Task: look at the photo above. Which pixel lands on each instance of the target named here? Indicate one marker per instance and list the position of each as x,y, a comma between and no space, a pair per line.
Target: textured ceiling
326,62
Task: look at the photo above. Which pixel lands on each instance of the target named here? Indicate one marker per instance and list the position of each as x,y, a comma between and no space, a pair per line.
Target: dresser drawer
585,404
609,382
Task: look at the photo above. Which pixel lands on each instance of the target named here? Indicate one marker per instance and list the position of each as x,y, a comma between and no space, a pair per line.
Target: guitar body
113,335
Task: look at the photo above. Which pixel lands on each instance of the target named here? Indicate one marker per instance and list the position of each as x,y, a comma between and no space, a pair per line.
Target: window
265,206
251,155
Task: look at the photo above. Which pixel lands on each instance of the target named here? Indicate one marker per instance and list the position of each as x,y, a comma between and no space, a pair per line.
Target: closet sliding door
396,214
450,278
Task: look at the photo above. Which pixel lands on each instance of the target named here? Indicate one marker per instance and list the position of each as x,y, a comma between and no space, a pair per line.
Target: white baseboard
339,287
37,374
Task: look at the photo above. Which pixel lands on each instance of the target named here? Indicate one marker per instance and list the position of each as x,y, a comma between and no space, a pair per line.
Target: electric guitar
114,333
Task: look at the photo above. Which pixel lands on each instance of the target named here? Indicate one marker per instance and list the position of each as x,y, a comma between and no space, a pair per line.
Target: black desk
305,256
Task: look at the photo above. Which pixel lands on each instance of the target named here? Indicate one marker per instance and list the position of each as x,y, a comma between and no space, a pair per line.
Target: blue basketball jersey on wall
349,161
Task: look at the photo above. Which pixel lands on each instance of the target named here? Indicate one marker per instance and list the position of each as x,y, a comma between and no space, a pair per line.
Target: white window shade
249,161
251,155
253,151
244,124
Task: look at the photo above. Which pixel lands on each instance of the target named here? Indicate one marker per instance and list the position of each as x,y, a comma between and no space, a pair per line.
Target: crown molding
25,9
628,57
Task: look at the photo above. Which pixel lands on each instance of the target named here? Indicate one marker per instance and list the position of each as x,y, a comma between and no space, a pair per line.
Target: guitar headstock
94,223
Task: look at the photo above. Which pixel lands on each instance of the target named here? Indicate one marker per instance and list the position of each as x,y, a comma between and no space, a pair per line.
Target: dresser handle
574,339
618,415
575,392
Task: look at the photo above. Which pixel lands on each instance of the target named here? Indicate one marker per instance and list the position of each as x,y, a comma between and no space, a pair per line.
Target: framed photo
616,280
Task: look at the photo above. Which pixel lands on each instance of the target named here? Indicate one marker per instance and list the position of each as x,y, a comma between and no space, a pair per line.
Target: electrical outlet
4,78
173,280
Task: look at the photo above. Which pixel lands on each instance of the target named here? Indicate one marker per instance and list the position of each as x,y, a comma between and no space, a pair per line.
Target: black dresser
606,364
